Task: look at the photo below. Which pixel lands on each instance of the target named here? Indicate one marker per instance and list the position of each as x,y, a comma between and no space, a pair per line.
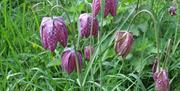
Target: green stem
155,28
137,7
168,50
176,30
97,50
73,32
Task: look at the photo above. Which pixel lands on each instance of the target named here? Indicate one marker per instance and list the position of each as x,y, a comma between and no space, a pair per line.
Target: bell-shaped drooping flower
172,10
86,20
161,80
123,43
88,51
52,31
69,60
110,7
96,6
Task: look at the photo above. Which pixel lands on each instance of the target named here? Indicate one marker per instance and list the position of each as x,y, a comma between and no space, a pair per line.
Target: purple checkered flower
52,31
161,80
110,7
123,43
69,60
85,25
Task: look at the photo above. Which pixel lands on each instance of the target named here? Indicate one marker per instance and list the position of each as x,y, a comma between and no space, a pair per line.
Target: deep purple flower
172,10
85,25
96,6
161,80
52,31
110,7
123,43
69,60
88,50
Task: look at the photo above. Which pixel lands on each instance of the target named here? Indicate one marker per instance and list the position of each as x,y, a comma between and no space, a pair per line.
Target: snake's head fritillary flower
96,6
52,31
86,21
123,43
69,60
161,80
110,7
88,51
172,10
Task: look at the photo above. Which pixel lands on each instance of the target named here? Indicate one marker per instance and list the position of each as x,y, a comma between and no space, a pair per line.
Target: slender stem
92,78
73,32
137,6
91,44
100,68
168,50
155,28
100,61
100,43
102,17
176,30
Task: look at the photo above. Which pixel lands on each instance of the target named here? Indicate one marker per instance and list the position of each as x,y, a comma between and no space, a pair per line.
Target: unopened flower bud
88,51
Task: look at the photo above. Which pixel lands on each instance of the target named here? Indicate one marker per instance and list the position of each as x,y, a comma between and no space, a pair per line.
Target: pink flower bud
69,60
52,31
110,7
85,25
123,43
88,50
172,10
161,80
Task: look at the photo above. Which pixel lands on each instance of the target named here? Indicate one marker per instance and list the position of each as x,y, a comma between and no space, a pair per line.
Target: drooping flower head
69,60
88,51
110,7
96,6
52,31
161,80
123,43
86,21
172,10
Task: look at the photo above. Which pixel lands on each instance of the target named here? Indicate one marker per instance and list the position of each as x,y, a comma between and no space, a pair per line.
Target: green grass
26,65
